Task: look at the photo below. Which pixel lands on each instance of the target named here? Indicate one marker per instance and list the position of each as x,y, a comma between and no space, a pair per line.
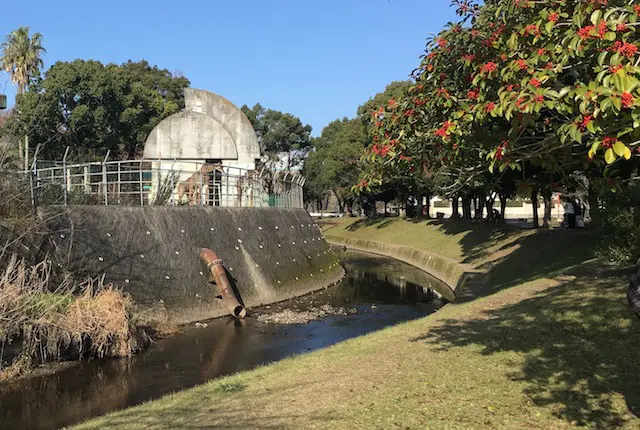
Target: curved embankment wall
452,273
270,254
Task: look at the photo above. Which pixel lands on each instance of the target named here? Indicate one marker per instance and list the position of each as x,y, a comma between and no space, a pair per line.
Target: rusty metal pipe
219,276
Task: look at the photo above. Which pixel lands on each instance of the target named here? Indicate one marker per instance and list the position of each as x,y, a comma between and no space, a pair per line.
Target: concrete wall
452,273
231,117
153,253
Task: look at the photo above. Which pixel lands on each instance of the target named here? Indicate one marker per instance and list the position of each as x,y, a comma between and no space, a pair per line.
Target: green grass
554,347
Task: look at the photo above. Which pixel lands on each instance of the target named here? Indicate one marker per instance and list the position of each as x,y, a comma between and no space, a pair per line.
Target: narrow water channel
377,292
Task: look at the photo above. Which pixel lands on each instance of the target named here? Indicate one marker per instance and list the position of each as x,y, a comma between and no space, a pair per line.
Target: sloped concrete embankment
455,275
271,254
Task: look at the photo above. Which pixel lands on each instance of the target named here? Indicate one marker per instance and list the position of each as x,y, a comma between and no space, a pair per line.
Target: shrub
618,223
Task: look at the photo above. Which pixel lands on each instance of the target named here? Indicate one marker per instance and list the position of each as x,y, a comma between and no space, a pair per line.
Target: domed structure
208,151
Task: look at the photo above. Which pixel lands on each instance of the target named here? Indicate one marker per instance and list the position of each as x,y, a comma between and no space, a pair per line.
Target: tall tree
332,165
21,59
284,141
93,108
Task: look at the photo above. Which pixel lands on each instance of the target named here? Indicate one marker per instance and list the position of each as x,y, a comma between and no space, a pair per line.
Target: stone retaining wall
272,254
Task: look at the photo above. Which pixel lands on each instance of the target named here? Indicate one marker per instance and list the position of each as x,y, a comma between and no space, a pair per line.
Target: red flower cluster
608,142
522,64
534,82
473,94
443,92
444,130
627,100
469,57
538,99
441,42
554,16
490,106
585,121
627,49
614,69
583,32
622,27
637,9
380,150
532,29
489,67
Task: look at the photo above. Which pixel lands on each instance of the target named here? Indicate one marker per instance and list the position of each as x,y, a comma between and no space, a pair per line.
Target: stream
377,292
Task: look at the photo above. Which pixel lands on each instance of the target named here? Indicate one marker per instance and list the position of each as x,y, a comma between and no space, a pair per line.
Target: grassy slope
555,350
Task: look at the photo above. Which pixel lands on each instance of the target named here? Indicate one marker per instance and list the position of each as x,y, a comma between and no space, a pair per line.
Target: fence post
119,179
104,179
33,173
64,175
141,184
173,202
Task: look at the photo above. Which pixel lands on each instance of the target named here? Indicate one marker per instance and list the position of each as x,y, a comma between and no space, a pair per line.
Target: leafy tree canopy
92,108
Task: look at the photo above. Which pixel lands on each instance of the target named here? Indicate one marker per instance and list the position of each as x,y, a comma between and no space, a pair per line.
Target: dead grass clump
39,325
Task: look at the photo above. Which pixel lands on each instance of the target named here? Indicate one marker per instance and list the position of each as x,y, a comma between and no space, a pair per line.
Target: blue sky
317,59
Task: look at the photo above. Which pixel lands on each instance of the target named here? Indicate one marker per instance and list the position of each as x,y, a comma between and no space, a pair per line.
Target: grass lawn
548,344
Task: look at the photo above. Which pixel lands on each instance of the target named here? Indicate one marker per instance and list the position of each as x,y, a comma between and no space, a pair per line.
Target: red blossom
583,33
585,121
490,107
538,99
534,82
622,27
636,8
554,16
489,67
392,103
441,41
627,100
602,29
614,69
473,94
542,51
608,142
469,57
522,64
627,49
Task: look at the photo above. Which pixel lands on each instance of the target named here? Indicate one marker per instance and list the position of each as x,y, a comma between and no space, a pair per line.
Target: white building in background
210,145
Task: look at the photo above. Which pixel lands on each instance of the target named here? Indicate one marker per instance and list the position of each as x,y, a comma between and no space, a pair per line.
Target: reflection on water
378,288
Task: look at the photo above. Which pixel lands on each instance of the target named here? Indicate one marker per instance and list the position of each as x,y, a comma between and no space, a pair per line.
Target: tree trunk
503,206
466,208
428,207
546,220
455,209
480,201
534,205
489,205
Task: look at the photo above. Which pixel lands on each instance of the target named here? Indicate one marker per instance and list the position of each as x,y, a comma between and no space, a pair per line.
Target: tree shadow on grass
379,223
581,346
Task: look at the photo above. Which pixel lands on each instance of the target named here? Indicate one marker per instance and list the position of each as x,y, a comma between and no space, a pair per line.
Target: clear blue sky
318,59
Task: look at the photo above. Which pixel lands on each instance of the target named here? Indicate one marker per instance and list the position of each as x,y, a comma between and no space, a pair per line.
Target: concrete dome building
208,151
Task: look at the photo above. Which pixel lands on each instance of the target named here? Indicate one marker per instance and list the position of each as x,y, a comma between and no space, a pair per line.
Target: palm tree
21,60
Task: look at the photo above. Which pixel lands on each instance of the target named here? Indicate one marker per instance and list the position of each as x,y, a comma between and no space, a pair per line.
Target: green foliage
282,136
334,163
619,224
92,108
21,57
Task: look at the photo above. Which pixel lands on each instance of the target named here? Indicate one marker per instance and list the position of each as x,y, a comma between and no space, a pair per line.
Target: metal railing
161,182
